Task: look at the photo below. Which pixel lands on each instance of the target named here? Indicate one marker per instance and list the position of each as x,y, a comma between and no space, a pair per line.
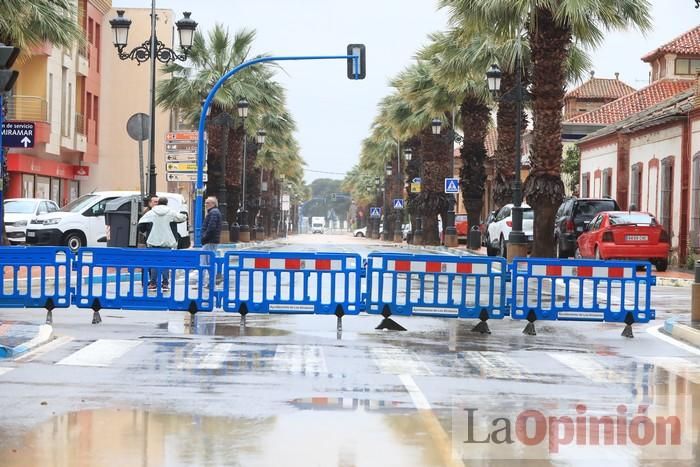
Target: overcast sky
333,114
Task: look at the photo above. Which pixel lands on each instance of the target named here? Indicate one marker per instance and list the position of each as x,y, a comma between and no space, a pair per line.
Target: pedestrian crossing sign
375,212
451,185
398,203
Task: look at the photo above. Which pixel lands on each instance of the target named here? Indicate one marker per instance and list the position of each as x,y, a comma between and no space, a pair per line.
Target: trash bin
475,238
121,219
234,232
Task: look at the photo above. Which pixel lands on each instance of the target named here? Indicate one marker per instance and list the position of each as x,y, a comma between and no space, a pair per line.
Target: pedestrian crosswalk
636,374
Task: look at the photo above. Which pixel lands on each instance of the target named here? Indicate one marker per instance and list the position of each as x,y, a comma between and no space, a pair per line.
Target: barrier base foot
390,324
96,318
530,329
482,327
627,332
49,317
339,325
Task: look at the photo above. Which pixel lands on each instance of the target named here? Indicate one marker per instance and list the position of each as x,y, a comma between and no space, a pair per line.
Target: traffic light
8,55
356,50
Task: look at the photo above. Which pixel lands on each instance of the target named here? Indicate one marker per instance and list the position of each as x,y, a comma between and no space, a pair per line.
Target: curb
44,334
682,332
673,282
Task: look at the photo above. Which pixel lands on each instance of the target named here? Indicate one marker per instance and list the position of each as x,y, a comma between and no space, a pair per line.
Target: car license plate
636,238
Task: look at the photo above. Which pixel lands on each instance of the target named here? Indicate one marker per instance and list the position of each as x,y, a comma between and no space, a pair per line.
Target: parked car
19,212
571,220
363,231
499,230
484,227
625,235
82,222
462,226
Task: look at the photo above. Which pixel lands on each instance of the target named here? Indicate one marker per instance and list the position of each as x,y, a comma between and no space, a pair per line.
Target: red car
462,226
625,235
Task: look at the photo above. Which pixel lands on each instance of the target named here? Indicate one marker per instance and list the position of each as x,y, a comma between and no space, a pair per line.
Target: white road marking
300,359
196,356
394,361
4,370
654,331
678,366
589,367
44,349
497,366
101,353
216,358
417,396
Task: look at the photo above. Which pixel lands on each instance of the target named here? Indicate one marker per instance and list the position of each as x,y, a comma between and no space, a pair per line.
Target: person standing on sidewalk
161,236
211,229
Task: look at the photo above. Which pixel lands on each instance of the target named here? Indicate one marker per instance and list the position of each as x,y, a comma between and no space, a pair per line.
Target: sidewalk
17,338
683,330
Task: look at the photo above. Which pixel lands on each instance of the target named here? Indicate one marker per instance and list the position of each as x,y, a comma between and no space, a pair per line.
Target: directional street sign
182,167
375,212
182,177
18,134
398,203
181,147
180,157
451,185
182,136
416,185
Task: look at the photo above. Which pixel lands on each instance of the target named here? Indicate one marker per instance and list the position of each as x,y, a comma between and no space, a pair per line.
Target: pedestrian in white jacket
161,235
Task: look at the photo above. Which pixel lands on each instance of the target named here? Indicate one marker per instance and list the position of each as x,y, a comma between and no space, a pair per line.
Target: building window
686,66
586,185
606,183
90,28
97,45
96,116
49,107
636,186
666,193
27,186
695,225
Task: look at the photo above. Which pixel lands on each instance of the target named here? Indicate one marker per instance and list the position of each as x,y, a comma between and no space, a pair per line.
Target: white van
82,222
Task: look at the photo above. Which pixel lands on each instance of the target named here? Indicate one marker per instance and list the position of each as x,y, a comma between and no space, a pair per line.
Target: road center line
417,396
101,353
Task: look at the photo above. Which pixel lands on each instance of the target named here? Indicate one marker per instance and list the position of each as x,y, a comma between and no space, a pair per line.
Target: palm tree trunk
544,189
504,157
436,152
475,120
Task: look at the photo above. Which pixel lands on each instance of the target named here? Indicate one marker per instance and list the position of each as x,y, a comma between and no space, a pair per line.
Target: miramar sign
18,134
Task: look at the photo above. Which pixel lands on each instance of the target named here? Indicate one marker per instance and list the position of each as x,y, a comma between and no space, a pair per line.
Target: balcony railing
32,108
80,124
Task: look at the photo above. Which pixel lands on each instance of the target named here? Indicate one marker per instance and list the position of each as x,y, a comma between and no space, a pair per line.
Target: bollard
695,296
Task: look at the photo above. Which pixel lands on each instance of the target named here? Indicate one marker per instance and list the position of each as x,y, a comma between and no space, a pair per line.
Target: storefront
32,177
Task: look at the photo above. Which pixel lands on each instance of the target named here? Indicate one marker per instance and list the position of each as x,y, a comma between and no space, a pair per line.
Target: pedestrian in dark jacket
211,228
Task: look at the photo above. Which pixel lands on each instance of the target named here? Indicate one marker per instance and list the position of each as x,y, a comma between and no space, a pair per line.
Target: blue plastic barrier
33,276
279,282
432,285
583,290
119,278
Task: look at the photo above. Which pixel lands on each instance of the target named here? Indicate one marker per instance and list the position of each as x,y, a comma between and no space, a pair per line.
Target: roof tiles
687,43
601,88
633,103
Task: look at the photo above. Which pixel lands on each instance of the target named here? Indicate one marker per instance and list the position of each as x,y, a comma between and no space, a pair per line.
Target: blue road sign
375,212
18,134
451,185
398,203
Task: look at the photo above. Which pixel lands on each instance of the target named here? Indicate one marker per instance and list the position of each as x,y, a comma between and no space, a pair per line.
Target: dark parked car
571,220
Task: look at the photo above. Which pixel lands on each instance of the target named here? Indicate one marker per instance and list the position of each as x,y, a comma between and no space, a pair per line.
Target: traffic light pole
356,70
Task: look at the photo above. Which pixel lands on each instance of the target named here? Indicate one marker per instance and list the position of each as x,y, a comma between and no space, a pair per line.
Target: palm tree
552,29
29,23
210,58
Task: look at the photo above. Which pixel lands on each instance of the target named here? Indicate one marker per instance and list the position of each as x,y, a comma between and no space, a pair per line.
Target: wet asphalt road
150,388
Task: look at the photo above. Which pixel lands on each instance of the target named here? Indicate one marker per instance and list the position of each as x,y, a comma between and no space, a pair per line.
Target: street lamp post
258,228
377,220
244,235
418,232
387,183
152,50
449,227
517,241
225,121
398,233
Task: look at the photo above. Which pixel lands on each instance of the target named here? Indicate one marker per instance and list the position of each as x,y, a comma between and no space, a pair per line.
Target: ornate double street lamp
517,241
152,50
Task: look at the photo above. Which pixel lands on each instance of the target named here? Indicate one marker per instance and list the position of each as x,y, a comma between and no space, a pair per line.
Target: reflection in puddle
134,438
208,326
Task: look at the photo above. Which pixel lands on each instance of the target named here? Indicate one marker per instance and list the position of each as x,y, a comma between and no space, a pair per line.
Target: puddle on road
210,327
303,438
